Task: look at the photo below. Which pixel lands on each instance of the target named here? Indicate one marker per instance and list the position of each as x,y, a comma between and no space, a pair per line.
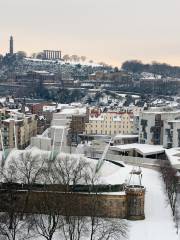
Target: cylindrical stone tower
135,202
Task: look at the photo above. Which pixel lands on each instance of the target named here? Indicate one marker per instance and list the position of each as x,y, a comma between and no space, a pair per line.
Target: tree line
172,187
163,69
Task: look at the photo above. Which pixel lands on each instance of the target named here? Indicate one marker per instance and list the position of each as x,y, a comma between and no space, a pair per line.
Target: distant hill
164,69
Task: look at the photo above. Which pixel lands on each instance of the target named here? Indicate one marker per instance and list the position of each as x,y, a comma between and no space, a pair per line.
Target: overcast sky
103,30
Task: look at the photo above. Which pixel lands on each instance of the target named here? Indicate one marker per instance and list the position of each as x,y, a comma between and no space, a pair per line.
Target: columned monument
52,55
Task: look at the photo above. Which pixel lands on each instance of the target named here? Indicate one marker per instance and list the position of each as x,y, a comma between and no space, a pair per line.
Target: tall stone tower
11,46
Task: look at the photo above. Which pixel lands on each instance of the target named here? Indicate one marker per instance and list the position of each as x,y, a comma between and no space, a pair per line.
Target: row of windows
106,122
110,126
107,132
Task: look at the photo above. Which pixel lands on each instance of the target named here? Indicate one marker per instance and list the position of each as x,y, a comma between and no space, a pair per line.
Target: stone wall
112,205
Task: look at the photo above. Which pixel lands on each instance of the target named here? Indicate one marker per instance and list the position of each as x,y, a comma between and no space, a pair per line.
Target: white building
152,124
56,138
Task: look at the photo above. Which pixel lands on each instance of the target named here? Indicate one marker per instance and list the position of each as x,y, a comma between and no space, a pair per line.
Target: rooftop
143,149
173,155
122,136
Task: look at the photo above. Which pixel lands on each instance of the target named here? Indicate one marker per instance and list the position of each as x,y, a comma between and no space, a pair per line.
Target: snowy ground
159,222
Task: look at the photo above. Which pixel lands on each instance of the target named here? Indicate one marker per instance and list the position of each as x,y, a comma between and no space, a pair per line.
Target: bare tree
30,167
105,229
68,169
66,57
33,55
48,220
177,213
171,183
13,224
21,54
170,177
40,55
83,58
27,170
75,58
74,227
12,227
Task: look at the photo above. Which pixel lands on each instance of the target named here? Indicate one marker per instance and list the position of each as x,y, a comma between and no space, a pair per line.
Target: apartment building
172,134
109,123
153,124
17,131
4,114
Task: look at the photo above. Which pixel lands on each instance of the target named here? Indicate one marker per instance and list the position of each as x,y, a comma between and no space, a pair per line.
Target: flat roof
143,149
121,136
174,121
173,155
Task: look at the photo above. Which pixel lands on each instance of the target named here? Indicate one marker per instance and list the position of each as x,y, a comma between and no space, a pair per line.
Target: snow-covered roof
62,105
161,110
122,136
173,155
49,108
73,111
59,127
148,75
43,72
12,119
174,121
76,104
143,149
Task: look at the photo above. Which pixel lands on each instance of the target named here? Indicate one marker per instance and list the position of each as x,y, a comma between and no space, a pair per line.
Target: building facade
152,125
172,134
17,132
109,123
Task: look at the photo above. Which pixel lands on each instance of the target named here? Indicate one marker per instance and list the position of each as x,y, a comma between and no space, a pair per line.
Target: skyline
112,31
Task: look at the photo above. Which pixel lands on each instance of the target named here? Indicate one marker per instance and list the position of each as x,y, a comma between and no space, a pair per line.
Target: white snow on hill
62,62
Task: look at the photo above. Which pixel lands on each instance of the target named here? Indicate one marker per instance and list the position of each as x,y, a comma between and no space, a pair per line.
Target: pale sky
103,30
